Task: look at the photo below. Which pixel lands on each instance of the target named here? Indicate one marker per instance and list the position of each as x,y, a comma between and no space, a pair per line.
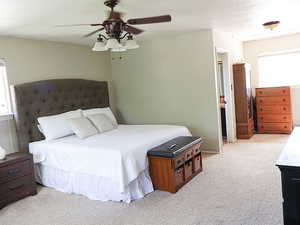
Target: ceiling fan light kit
271,25
100,45
113,43
119,34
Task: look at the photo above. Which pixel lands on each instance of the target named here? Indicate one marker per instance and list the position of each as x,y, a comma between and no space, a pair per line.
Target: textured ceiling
36,18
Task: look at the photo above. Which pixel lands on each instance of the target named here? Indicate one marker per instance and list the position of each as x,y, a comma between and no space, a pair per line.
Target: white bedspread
119,155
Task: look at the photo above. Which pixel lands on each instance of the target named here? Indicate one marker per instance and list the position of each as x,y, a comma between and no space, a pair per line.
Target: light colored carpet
238,187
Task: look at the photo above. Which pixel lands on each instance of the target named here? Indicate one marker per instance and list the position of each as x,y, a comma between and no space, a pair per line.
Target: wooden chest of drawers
170,174
274,113
16,178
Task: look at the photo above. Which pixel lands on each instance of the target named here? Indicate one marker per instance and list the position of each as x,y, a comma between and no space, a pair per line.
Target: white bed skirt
93,187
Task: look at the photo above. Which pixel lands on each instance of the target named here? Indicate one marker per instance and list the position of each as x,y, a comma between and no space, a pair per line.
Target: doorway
220,71
227,113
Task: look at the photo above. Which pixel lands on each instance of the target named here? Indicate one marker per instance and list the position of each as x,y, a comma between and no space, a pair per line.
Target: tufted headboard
48,97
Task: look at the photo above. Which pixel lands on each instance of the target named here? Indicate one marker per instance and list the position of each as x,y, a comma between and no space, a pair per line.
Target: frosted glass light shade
131,44
120,49
99,46
113,43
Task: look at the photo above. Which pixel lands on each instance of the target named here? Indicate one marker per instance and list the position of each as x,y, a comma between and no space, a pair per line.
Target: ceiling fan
117,29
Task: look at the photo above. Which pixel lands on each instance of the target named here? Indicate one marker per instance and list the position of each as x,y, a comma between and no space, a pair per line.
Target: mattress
119,156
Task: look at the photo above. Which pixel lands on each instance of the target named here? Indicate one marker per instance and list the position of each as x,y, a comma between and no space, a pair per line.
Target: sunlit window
281,69
4,94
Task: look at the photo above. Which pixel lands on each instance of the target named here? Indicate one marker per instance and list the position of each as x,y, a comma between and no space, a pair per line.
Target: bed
108,166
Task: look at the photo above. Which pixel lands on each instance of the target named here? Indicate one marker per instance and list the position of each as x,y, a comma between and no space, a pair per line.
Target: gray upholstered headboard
48,97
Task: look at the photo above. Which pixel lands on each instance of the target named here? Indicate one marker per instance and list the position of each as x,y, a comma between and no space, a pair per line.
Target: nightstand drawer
16,189
14,171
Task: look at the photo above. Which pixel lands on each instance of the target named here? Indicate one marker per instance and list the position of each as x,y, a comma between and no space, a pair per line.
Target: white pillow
82,127
107,111
57,126
102,122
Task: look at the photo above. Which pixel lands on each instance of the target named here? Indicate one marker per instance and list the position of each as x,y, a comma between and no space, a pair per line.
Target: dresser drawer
198,163
275,127
179,176
197,149
283,100
273,109
179,160
189,154
14,171
274,118
279,91
188,169
16,189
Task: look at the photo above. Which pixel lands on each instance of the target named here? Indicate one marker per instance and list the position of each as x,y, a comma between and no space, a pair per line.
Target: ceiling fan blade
94,32
155,19
75,25
133,30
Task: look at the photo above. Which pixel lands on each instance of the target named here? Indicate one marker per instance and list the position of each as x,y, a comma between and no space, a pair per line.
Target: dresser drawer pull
283,99
14,171
17,187
284,109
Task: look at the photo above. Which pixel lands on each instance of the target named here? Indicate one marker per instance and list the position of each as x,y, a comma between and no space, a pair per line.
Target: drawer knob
283,99
284,108
284,117
285,126
261,109
260,92
14,171
283,91
261,101
261,118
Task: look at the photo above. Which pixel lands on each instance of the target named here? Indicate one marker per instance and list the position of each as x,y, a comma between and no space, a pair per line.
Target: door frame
229,95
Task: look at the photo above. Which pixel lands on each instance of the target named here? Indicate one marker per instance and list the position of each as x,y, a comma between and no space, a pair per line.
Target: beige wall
31,60
170,81
252,49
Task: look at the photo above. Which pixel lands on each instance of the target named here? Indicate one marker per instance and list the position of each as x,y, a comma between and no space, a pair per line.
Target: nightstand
16,178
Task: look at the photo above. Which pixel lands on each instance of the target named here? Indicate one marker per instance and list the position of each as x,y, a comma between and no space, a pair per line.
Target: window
4,93
281,69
